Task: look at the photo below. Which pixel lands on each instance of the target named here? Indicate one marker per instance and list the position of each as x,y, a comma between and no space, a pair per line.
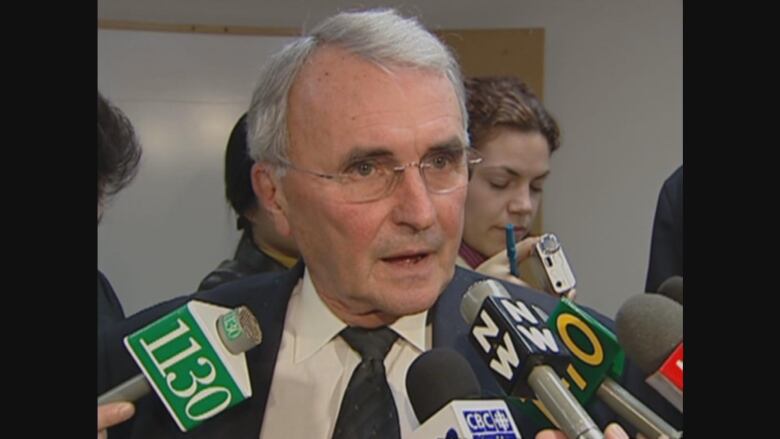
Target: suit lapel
270,308
451,331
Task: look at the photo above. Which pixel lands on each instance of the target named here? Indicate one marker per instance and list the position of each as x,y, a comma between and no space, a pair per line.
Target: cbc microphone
672,288
525,357
650,329
597,360
443,392
193,358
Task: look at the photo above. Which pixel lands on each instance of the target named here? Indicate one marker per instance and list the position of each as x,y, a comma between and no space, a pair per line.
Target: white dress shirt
315,364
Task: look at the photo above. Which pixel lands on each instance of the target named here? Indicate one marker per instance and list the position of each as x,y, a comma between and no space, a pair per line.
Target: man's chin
409,301
406,293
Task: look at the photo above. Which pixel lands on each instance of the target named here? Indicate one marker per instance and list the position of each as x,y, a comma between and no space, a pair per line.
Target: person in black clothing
666,246
118,153
260,248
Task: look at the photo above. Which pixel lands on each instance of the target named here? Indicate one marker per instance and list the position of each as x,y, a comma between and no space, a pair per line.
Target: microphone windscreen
239,330
476,294
437,377
649,327
672,288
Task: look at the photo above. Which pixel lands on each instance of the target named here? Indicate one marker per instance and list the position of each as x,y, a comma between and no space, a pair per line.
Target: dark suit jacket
666,246
248,260
267,296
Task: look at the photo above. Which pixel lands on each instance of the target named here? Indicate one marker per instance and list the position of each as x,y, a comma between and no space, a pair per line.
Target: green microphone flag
193,359
595,355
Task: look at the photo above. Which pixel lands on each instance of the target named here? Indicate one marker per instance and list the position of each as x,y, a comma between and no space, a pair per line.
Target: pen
511,251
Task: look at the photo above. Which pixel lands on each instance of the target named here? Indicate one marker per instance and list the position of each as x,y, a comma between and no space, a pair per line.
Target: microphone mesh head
476,294
437,377
649,327
673,289
239,331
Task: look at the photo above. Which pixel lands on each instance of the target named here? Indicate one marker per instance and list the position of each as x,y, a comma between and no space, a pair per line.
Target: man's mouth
407,258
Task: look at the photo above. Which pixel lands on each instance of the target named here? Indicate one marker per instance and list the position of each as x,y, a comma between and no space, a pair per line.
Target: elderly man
358,131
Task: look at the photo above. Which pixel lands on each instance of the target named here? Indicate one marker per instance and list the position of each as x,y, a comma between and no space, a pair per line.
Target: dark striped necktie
368,409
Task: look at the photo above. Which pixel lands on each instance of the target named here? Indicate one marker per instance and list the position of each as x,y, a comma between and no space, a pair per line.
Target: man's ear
269,194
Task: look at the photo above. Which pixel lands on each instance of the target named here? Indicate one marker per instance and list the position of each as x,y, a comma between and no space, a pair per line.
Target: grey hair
380,36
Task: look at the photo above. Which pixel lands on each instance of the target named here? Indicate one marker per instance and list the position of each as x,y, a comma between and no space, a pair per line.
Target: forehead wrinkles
333,75
330,75
336,93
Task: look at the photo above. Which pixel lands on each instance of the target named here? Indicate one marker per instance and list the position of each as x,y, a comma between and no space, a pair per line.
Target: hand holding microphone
112,414
193,358
544,265
499,265
613,431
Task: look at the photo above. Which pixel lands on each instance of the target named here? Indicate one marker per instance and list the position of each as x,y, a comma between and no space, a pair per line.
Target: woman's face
506,188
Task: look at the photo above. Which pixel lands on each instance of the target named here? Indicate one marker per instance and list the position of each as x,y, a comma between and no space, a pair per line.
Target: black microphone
193,358
525,357
444,392
672,288
650,329
437,377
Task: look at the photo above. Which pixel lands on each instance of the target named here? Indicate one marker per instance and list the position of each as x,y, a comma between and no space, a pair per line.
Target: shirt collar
316,325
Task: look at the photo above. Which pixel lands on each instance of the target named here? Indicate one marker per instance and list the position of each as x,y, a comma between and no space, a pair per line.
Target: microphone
444,392
525,357
650,328
672,288
597,360
193,358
